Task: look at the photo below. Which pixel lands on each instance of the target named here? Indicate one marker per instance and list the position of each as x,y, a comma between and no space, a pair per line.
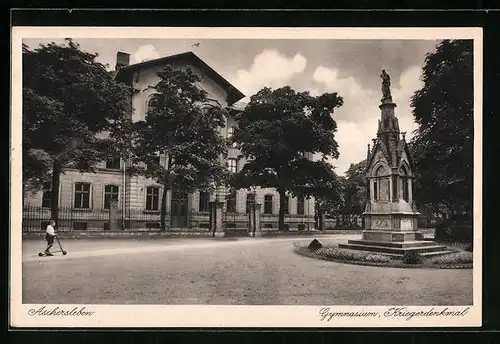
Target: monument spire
388,131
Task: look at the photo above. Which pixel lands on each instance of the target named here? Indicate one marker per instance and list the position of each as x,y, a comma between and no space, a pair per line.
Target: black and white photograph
180,177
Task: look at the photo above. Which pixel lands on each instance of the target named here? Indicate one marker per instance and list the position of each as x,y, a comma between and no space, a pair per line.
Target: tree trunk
166,186
163,208
281,215
321,219
54,198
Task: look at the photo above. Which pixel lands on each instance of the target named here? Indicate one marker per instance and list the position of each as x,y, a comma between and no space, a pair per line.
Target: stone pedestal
215,218
393,233
391,226
254,220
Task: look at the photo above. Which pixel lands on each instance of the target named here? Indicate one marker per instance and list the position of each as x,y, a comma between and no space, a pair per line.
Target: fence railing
73,219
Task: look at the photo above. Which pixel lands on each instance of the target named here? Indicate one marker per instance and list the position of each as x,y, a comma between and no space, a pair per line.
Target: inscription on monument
406,224
381,223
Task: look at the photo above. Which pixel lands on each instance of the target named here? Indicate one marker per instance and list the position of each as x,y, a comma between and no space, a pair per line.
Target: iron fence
69,218
74,219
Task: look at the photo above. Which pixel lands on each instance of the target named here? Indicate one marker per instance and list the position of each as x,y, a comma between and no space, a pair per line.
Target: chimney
122,60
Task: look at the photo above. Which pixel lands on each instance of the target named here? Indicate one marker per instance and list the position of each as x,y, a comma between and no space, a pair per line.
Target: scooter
44,254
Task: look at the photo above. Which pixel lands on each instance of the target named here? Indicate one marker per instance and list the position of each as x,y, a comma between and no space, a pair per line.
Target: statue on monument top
386,85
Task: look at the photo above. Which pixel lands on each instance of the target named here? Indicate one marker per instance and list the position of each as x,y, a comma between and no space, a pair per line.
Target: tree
327,198
182,127
442,146
275,130
71,104
354,192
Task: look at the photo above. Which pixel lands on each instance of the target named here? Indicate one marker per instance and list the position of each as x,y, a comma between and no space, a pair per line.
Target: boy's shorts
50,239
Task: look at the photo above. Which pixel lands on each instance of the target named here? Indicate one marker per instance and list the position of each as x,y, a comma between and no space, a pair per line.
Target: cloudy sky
349,67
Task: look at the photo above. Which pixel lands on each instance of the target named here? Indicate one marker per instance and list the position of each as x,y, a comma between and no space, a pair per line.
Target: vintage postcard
246,177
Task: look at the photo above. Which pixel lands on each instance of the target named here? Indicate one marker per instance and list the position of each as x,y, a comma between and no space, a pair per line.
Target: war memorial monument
390,216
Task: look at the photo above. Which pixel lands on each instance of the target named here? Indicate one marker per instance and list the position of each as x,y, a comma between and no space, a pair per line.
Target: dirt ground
247,271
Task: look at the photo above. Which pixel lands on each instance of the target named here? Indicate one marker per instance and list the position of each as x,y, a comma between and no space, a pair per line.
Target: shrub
412,258
458,228
346,255
377,258
452,258
470,247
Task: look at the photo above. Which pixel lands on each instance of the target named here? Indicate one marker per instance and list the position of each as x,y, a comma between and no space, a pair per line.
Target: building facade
110,199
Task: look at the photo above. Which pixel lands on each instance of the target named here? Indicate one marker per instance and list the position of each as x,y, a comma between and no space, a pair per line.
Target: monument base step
425,248
392,236
397,244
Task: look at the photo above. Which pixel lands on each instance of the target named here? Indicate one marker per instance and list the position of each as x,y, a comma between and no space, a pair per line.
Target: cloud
329,77
357,119
144,53
269,68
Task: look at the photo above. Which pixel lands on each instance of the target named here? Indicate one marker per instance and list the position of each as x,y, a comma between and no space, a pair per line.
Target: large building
85,198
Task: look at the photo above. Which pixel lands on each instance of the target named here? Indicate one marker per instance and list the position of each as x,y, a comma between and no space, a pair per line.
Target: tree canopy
443,143
71,104
278,132
178,144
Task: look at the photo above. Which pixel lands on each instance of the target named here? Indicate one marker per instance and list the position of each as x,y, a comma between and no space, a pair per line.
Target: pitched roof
403,146
379,145
233,94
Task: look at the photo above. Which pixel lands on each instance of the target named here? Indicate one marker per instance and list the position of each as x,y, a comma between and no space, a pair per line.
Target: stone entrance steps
425,248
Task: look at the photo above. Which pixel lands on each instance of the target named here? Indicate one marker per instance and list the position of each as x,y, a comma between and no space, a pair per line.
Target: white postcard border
232,316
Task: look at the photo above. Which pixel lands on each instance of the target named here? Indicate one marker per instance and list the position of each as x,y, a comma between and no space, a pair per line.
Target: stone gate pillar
254,223
114,222
215,218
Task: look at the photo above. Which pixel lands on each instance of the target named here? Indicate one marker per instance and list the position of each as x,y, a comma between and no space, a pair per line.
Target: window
204,201
300,205
301,227
286,204
378,187
405,189
150,105
231,202
113,163
110,194
47,195
268,204
82,195
230,134
250,200
156,160
404,184
394,187
152,198
232,165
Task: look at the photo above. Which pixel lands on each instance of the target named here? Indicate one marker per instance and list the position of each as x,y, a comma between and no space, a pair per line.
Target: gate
179,210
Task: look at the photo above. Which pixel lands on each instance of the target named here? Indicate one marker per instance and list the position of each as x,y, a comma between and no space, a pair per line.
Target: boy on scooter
49,236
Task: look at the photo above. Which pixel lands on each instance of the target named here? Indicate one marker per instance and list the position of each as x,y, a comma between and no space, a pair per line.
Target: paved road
250,271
